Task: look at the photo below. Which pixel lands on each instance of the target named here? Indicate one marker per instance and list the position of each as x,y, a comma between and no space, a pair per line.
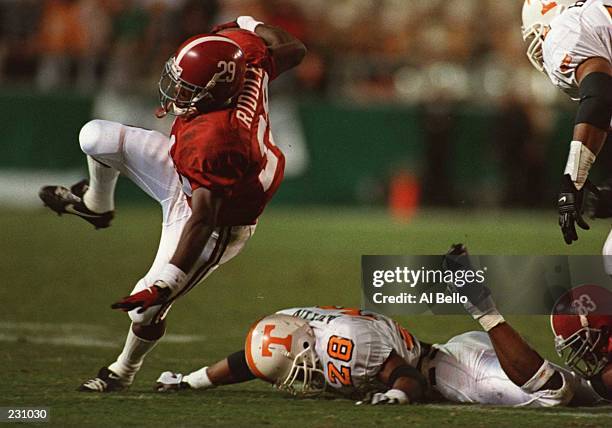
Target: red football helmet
206,71
582,322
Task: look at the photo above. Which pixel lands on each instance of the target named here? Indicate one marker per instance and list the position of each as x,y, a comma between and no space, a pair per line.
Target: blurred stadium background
426,111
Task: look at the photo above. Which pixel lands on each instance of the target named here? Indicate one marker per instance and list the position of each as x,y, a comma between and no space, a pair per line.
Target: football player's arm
287,50
595,111
230,370
205,207
594,77
522,364
196,232
406,384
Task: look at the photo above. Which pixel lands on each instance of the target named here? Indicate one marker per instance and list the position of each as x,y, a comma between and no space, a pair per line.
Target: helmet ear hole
305,344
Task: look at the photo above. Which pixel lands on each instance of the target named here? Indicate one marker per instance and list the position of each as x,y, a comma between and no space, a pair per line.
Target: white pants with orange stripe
143,156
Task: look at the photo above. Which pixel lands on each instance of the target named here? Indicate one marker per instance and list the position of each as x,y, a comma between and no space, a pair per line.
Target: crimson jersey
231,152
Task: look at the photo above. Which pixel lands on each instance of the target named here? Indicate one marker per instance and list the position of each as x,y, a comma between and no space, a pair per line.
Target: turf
59,277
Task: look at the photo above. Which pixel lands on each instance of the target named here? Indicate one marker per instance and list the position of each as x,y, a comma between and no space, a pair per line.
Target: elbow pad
595,100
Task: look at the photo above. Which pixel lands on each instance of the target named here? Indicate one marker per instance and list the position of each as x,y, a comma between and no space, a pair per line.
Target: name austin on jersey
246,105
314,316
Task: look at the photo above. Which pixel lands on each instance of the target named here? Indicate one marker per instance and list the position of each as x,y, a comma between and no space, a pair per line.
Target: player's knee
150,331
99,137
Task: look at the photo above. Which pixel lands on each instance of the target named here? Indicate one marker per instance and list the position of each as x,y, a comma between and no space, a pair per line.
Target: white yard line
74,334
43,326
19,188
69,340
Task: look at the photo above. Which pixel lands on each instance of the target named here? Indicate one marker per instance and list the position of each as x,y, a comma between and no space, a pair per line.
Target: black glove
570,209
478,294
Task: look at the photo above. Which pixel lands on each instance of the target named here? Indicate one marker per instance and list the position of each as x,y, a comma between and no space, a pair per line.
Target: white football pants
143,156
466,370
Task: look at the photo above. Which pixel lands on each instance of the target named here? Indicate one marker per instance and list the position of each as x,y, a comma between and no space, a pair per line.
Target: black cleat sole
59,205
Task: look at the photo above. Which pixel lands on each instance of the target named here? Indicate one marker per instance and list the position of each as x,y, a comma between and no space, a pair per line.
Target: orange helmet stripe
249,355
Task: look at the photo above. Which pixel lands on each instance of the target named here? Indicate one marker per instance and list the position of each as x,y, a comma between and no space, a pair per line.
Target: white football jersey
352,345
583,31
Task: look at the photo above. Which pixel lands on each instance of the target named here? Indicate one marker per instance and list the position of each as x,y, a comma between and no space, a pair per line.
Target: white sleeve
576,35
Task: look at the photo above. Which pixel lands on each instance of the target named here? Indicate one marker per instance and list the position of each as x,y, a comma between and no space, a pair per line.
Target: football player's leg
224,244
101,139
467,370
140,154
113,148
149,326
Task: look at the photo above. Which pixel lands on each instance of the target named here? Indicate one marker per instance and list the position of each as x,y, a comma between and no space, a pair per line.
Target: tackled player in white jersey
571,41
369,357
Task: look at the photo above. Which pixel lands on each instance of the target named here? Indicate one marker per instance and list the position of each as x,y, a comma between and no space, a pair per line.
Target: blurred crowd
433,54
363,50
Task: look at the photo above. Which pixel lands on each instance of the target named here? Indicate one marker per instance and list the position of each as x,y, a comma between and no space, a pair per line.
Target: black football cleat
69,201
106,381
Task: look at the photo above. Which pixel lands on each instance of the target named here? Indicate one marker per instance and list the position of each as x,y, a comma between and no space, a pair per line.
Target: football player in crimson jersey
212,177
571,41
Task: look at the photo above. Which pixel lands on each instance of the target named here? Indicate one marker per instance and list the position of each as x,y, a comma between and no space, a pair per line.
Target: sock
199,379
129,361
100,196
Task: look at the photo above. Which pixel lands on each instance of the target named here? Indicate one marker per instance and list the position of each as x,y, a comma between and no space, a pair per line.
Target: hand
156,294
570,209
392,396
479,300
169,381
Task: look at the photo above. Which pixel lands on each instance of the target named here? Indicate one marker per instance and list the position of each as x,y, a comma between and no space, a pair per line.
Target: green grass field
59,277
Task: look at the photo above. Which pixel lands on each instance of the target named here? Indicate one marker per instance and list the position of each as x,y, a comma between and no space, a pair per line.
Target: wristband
172,276
199,379
489,321
247,23
579,163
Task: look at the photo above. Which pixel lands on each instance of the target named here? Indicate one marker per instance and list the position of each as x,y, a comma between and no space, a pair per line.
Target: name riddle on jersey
246,106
